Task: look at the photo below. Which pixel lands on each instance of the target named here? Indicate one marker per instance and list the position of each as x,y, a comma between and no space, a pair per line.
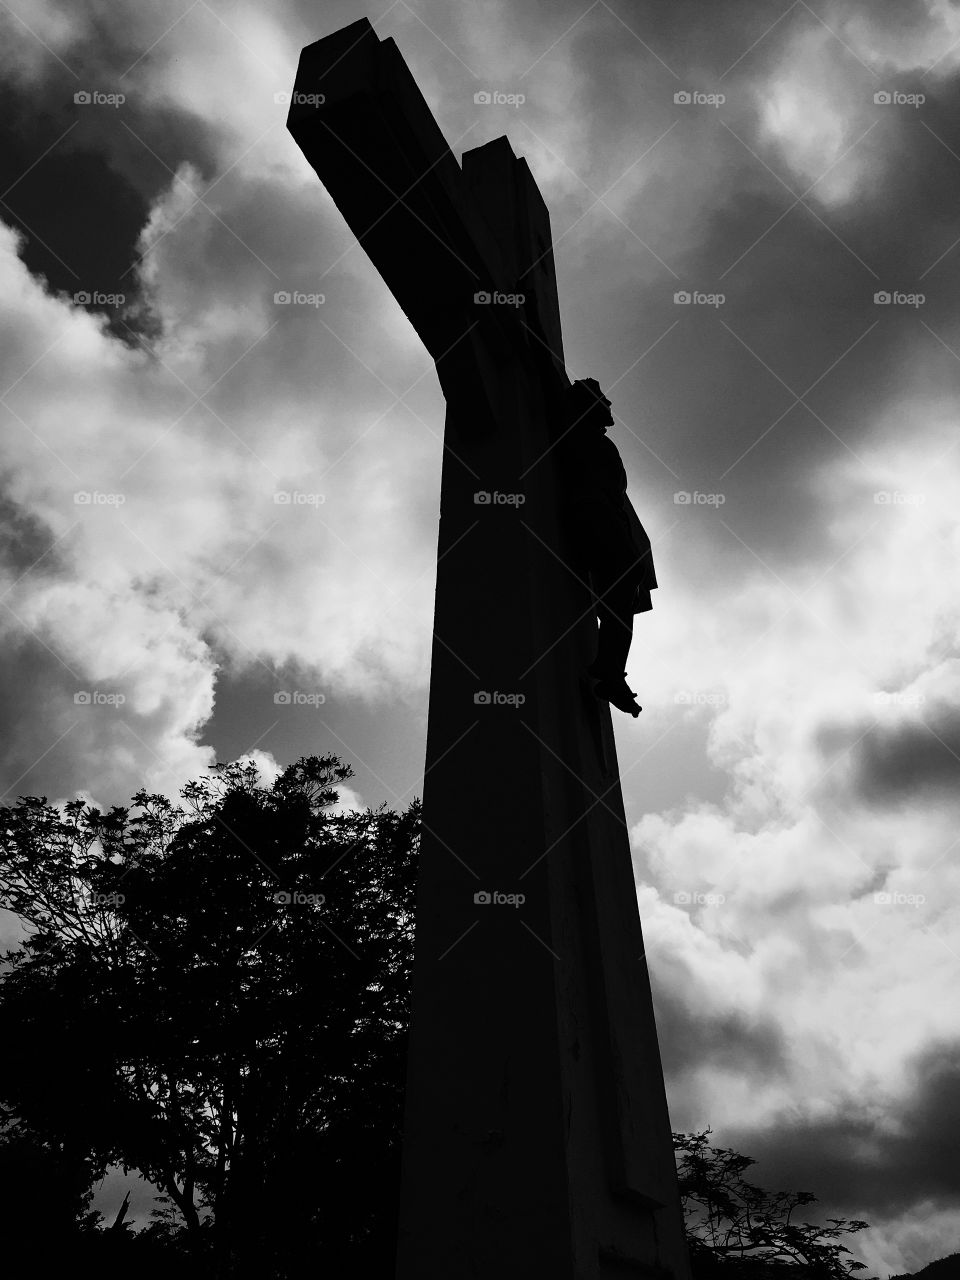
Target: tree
216,996
46,1195
738,1230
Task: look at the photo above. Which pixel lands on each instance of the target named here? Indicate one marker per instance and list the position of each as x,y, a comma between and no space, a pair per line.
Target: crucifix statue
536,1135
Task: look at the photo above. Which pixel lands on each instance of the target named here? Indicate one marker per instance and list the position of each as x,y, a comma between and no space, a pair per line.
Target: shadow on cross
610,541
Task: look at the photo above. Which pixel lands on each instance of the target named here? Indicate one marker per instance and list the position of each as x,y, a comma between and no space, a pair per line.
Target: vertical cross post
537,1139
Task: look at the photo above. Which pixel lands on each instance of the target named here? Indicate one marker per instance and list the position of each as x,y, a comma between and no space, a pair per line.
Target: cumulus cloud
262,481
193,489
886,1157
806,924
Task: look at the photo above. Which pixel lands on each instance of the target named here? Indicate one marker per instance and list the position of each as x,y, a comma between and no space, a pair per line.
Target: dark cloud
717,395
729,1042
37,692
699,411
246,715
78,179
859,1166
25,541
914,760
714,402
703,401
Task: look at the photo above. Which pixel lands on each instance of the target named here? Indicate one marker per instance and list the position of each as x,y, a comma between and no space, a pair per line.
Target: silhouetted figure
611,539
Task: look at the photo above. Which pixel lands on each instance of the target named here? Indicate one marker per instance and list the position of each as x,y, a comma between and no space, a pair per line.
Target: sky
791,169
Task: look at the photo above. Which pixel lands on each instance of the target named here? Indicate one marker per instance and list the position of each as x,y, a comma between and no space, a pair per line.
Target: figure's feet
606,675
615,692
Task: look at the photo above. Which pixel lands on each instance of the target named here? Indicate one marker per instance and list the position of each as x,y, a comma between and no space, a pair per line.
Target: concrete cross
536,1140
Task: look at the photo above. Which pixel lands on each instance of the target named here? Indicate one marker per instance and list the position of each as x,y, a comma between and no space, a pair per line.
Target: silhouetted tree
735,1229
46,1196
49,1227
216,996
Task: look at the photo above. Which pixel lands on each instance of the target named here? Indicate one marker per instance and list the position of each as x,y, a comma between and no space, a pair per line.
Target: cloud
908,761
804,926
817,109
805,620
886,1157
160,503
348,800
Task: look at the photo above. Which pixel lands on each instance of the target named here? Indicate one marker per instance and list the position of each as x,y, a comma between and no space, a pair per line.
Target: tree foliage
216,996
737,1229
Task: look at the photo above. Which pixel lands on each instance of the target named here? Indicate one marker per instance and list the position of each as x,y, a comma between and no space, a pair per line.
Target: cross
536,1135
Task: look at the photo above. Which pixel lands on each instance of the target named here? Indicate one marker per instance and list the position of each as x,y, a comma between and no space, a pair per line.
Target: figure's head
589,406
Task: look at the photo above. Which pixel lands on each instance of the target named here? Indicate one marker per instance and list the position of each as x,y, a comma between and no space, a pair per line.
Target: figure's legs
615,610
606,548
